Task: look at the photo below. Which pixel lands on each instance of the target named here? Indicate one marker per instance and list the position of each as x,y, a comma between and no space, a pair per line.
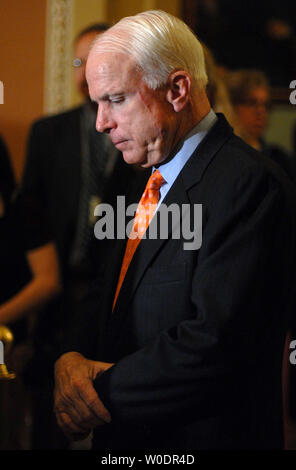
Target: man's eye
117,100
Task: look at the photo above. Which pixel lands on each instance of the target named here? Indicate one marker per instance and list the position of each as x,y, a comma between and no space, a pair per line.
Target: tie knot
155,181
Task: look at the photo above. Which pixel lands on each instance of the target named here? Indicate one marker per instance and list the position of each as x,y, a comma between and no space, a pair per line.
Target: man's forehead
103,68
105,62
107,66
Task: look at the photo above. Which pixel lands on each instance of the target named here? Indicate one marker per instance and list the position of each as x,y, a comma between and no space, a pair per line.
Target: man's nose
104,121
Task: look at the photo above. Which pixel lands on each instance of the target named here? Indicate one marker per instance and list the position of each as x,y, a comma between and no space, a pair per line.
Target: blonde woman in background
249,92
217,90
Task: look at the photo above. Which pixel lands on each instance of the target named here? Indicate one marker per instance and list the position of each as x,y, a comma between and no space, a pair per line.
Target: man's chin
132,159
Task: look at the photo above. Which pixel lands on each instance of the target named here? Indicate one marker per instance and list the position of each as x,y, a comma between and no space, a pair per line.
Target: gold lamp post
6,340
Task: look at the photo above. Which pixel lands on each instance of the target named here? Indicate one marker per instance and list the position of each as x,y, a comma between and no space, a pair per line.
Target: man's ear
179,89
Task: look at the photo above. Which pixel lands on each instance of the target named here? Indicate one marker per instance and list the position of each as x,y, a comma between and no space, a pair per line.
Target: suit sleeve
7,181
237,288
31,202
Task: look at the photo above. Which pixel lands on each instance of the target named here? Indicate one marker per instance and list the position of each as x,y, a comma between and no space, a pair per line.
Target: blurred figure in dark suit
69,169
14,274
14,269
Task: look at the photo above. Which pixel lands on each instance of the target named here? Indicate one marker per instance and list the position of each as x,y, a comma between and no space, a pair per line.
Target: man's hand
76,404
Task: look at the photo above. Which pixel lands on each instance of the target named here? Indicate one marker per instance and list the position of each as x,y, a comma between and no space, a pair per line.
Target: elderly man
184,349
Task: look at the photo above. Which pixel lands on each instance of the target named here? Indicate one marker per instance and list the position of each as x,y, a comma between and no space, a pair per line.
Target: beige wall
22,26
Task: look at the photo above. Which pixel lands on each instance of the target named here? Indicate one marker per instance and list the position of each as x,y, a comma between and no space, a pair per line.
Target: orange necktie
145,211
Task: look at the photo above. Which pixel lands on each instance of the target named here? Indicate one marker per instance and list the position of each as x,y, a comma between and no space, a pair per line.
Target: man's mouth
119,143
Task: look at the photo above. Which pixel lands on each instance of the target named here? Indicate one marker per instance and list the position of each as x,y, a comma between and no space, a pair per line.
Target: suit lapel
196,166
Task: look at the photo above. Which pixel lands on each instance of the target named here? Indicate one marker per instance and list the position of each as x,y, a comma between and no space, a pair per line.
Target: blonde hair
217,90
241,82
159,43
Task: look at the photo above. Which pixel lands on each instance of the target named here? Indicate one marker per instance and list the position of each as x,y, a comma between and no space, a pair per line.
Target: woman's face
253,111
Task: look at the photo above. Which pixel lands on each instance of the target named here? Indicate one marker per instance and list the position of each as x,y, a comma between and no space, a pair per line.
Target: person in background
14,274
217,90
249,93
7,182
69,169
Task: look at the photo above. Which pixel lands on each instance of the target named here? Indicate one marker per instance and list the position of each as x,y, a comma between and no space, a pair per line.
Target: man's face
81,51
140,121
253,112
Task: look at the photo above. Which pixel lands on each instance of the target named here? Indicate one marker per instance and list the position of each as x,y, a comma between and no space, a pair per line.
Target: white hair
159,43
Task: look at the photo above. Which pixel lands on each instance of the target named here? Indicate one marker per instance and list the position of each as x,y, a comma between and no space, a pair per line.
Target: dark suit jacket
51,183
197,336
14,272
